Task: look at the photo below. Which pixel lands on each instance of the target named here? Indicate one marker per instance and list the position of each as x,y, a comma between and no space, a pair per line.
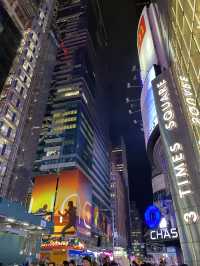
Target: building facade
24,30
137,241
72,134
118,205
22,12
10,40
120,194
166,28
18,94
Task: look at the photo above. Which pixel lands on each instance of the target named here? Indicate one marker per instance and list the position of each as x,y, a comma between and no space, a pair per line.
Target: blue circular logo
152,216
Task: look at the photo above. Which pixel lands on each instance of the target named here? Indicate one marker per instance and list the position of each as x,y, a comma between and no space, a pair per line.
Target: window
17,103
2,149
9,132
2,168
4,129
52,153
9,114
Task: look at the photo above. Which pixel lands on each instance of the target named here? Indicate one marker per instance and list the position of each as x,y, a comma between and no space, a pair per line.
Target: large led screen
146,50
148,108
73,209
43,194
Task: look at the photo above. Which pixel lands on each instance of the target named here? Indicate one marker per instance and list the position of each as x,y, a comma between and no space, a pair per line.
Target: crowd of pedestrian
161,263
88,261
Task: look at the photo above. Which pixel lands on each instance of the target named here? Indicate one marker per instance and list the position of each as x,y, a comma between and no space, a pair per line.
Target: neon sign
164,234
152,216
166,106
174,131
190,100
56,244
181,169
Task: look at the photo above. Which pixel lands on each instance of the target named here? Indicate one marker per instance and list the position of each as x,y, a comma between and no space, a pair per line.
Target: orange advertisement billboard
73,209
141,32
43,194
96,216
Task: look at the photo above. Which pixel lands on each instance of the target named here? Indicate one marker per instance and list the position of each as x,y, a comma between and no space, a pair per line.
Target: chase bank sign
164,234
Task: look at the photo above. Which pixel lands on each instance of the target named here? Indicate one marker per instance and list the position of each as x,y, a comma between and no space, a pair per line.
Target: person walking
65,263
86,261
113,263
106,261
134,263
72,263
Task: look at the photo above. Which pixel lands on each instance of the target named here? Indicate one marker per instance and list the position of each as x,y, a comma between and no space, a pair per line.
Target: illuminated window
2,168
52,153
73,93
10,115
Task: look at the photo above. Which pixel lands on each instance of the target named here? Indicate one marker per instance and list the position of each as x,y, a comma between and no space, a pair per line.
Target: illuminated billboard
182,161
146,50
43,194
164,234
73,209
152,216
96,217
148,108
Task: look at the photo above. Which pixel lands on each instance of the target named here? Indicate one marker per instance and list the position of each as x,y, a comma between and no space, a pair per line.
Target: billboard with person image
43,194
73,209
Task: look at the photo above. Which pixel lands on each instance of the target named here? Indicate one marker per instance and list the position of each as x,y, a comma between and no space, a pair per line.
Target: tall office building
137,241
120,182
73,133
9,41
21,12
21,89
170,31
119,206
25,28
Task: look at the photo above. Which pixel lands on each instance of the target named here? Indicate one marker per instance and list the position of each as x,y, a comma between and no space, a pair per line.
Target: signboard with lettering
164,234
182,162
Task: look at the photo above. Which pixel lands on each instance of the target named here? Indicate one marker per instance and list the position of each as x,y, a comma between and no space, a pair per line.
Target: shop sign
164,233
191,101
56,244
178,145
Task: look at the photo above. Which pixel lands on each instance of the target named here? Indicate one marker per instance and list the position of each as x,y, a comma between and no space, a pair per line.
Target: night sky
121,19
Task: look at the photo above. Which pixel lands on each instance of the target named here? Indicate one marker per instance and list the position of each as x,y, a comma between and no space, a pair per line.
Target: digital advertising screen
43,194
146,50
73,209
95,216
148,108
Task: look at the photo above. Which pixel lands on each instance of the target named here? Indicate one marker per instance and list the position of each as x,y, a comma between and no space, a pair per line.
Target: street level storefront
77,222
20,233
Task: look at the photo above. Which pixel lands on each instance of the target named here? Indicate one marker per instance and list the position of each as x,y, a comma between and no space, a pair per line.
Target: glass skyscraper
72,134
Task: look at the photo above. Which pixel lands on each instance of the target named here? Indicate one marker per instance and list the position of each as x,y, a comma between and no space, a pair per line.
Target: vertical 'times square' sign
182,161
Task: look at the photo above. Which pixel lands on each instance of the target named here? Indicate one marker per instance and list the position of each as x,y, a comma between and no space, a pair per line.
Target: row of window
58,130
63,114
66,89
65,120
5,150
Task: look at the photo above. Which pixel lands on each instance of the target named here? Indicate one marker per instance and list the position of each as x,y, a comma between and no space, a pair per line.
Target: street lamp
133,103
